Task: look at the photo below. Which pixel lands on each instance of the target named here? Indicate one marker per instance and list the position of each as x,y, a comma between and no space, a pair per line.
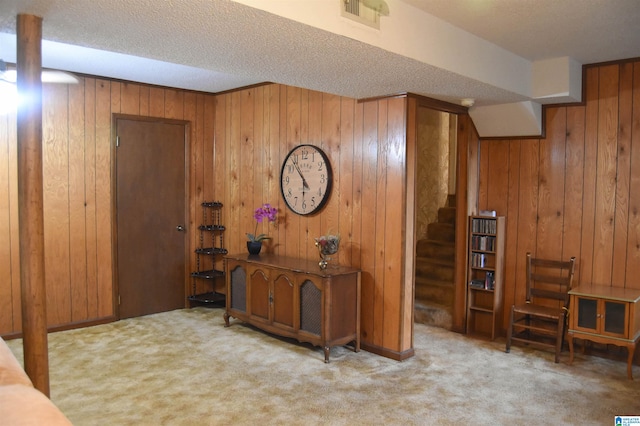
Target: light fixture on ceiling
467,102
10,75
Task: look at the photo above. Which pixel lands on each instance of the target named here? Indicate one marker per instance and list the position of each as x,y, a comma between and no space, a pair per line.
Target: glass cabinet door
587,314
606,317
614,318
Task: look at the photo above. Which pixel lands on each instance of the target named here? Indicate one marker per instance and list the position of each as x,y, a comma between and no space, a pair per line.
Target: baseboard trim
388,353
63,327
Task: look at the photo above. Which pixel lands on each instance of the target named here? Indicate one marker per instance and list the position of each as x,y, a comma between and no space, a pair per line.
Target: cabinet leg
570,338
327,350
226,319
631,348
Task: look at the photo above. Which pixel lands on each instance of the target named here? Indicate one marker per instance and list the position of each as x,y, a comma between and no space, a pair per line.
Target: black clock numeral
304,205
289,193
320,164
313,202
286,180
322,178
304,154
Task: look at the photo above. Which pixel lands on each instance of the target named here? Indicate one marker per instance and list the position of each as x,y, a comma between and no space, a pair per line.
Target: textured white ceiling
590,31
217,45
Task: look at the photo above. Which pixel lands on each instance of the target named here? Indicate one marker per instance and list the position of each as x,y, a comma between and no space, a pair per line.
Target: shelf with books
485,275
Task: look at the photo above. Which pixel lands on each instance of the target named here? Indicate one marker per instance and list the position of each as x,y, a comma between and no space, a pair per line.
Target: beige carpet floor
184,368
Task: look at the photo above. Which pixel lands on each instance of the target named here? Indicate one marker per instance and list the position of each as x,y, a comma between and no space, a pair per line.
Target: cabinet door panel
283,300
238,291
614,318
587,313
259,295
310,308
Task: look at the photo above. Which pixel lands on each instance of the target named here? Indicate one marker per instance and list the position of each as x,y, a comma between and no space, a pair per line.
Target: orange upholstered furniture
20,402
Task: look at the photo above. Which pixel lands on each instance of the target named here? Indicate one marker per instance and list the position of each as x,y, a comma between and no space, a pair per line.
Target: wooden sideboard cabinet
295,298
604,314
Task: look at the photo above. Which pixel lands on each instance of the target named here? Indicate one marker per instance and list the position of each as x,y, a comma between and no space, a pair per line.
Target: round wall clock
305,179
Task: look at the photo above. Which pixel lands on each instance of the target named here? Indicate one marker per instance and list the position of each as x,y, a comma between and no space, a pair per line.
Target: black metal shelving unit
211,247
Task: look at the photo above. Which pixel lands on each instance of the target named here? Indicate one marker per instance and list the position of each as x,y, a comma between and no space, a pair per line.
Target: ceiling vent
366,12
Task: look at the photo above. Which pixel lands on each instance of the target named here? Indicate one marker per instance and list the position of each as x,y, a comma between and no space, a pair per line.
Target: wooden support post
30,201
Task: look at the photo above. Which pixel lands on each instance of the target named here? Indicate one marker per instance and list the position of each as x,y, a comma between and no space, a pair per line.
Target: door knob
180,228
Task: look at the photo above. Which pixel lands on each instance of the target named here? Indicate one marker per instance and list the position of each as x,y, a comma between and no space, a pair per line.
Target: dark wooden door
151,216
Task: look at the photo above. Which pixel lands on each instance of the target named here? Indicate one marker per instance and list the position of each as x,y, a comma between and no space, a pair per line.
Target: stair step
451,200
435,269
437,291
441,232
447,215
438,269
436,249
433,314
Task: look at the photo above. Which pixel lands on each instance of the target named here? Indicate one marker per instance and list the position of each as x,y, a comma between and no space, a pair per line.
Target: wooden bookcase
485,275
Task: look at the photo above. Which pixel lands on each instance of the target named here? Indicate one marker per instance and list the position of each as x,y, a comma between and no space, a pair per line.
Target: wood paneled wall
575,192
77,157
238,142
568,194
365,143
571,193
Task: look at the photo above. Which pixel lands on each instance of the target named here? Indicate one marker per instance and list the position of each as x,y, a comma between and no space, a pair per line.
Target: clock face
305,179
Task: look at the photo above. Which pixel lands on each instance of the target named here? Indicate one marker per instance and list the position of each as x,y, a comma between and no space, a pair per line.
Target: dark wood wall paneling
238,141
573,193
77,163
365,143
569,194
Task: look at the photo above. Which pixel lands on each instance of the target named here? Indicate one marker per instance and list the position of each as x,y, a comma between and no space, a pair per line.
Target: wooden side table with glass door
607,315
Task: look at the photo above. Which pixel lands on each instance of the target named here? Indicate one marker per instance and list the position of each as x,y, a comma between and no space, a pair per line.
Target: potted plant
254,245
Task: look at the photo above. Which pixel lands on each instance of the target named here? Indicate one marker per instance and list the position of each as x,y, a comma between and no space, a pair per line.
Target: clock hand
304,181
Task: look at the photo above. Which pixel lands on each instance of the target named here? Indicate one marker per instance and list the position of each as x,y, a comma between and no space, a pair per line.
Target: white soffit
508,120
418,36
557,80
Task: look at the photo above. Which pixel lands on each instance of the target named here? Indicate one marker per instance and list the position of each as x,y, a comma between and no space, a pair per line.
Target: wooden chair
541,320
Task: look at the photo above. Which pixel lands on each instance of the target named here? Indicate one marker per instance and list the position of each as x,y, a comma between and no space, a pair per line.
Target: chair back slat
549,294
547,263
542,321
549,279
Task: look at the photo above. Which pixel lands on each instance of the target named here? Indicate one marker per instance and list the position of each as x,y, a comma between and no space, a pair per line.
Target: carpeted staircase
435,258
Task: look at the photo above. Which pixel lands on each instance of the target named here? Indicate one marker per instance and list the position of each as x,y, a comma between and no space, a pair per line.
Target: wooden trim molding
394,355
439,105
